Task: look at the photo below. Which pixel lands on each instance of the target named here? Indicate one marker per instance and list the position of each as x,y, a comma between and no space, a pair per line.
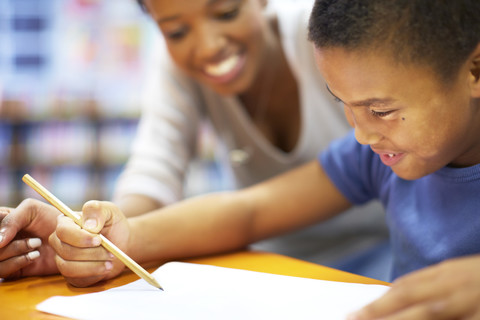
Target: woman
248,68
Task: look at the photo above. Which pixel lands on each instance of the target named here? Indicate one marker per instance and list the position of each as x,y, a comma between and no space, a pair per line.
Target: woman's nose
209,41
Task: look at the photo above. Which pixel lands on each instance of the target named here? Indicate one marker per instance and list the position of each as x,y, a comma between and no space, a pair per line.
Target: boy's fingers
84,282
95,215
70,233
92,218
71,253
83,269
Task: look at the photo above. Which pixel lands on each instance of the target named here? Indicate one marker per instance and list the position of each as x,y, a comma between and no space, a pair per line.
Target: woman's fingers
12,267
17,255
19,247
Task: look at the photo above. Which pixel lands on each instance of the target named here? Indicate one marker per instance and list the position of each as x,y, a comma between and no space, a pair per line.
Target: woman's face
220,43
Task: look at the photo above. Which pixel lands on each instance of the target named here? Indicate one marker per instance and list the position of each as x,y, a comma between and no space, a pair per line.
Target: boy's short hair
440,34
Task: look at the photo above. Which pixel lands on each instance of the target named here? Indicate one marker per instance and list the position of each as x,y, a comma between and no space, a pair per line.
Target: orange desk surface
19,298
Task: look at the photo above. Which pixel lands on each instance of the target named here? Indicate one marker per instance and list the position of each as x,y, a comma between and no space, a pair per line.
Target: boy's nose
364,132
366,135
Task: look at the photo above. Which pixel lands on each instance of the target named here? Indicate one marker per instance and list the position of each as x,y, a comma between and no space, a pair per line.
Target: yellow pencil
107,244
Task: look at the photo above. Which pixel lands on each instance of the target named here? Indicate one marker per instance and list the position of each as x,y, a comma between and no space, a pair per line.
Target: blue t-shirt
431,219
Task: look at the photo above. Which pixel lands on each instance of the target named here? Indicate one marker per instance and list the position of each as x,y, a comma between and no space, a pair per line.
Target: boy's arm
197,226
231,220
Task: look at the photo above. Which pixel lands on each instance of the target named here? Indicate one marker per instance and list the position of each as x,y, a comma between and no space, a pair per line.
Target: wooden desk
19,298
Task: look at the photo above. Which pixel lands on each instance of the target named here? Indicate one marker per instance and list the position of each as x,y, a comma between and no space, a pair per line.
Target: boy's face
413,122
219,43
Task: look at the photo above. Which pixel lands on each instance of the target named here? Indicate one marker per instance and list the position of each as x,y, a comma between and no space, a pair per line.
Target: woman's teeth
222,68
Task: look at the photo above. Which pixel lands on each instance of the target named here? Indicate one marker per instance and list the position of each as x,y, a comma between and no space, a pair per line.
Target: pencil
107,244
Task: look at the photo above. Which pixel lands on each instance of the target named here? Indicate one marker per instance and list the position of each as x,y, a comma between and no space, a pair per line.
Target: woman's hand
449,290
24,232
80,257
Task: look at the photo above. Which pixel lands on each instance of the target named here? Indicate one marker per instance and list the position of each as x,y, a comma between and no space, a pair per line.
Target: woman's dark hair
142,5
440,34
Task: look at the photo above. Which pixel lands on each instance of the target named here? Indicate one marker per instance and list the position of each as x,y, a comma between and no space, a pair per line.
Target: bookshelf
71,73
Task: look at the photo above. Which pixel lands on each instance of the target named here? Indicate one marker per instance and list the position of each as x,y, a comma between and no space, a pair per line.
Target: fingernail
34,243
32,255
108,265
96,241
90,224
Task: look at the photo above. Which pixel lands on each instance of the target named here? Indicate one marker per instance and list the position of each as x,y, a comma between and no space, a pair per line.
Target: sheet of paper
194,291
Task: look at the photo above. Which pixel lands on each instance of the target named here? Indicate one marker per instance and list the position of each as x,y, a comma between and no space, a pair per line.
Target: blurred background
71,77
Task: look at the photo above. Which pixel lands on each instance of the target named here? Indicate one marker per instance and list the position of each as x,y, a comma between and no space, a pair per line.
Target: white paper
195,291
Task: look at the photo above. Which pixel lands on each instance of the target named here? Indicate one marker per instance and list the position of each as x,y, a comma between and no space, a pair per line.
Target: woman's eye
380,114
228,15
176,35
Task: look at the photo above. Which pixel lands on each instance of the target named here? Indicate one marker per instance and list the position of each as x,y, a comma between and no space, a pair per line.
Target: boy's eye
380,114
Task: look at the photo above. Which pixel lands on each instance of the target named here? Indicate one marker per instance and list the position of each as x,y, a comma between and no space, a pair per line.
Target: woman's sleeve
165,140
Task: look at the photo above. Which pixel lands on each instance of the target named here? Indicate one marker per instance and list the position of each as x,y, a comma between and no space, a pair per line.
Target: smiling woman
224,44
246,67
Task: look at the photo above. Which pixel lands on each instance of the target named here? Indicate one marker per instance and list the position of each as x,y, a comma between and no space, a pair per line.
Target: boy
408,73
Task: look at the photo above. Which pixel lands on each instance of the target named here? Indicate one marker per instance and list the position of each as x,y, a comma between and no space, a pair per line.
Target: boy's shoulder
355,169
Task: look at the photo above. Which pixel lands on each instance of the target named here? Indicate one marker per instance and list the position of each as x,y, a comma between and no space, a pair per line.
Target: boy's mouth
390,159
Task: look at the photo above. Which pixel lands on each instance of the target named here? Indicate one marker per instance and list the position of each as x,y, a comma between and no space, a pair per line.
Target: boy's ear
475,73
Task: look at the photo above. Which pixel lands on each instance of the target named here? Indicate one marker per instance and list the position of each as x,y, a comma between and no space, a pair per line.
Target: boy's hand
24,232
80,257
449,290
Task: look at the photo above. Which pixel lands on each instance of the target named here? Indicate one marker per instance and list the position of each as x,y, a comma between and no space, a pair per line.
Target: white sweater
175,104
